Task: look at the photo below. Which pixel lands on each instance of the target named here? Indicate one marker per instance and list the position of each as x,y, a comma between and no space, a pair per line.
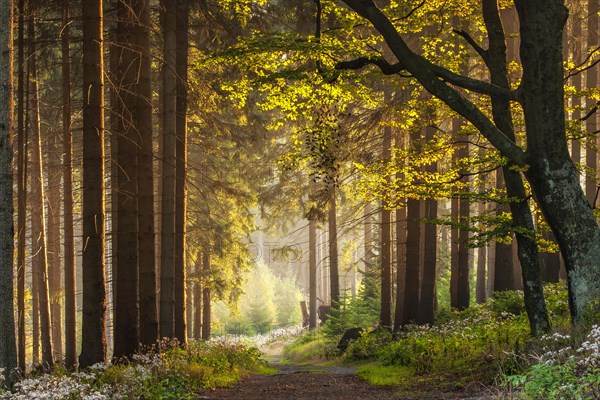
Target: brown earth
316,382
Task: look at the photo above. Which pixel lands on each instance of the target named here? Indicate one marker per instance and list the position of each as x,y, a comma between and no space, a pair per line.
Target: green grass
384,375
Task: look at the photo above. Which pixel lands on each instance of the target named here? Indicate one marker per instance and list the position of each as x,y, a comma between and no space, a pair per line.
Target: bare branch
483,53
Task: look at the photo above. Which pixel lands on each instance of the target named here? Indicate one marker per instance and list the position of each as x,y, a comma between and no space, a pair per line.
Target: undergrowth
488,344
169,372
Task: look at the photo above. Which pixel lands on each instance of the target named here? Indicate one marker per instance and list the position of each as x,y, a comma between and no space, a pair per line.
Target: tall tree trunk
206,295
8,350
334,274
385,315
591,124
147,247
413,262
182,44
427,300
515,189
38,215
21,192
481,284
197,308
312,274
54,172
169,95
400,266
68,245
126,306
93,335
370,289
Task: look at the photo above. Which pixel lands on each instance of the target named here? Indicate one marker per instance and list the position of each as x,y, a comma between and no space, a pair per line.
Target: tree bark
169,95
385,316
126,305
38,215
21,192
197,308
427,296
206,295
68,245
93,335
146,231
413,262
180,168
312,274
591,124
8,350
334,274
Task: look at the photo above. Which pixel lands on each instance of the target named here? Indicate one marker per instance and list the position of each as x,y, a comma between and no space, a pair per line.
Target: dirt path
310,382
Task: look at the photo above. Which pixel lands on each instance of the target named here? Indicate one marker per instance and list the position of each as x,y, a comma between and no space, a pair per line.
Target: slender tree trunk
197,308
54,172
400,266
68,245
385,315
312,274
454,248
126,306
93,335
206,295
370,289
413,262
147,247
334,274
181,167
591,124
22,192
38,218
8,350
167,253
481,284
427,301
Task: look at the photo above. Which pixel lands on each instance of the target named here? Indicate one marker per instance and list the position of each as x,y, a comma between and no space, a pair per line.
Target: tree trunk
22,192
334,275
206,301
413,261
181,167
400,266
38,215
197,308
146,239
312,274
8,350
126,306
427,299
370,289
515,189
552,174
591,124
93,335
385,316
68,246
54,172
169,95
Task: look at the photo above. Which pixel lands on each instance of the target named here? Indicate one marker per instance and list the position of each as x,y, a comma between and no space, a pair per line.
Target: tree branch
429,79
483,53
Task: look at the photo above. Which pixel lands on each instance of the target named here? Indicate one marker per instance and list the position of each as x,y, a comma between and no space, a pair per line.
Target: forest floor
320,382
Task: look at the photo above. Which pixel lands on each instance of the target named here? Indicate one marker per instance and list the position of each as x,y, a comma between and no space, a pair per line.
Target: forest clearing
305,199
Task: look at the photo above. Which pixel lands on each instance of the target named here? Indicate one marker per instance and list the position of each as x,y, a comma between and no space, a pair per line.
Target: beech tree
545,161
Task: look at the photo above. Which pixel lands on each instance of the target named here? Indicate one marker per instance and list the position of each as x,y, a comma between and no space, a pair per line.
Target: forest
252,199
